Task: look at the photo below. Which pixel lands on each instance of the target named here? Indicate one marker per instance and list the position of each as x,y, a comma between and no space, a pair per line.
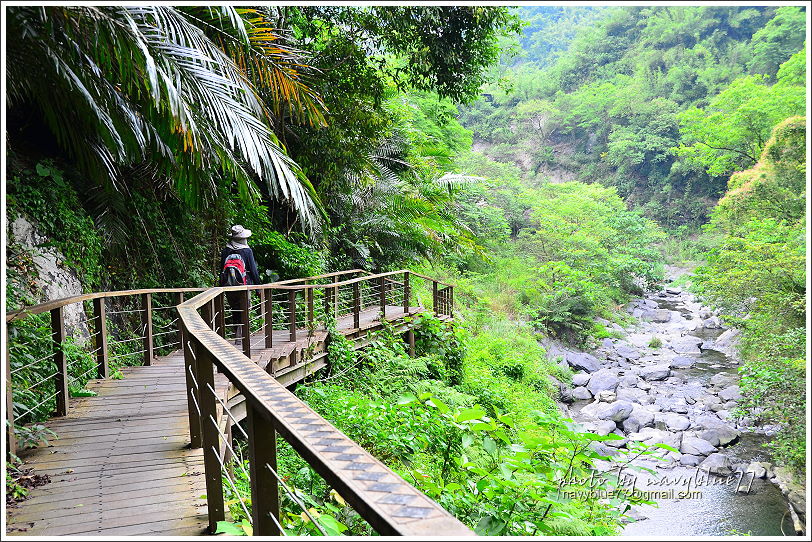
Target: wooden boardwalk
122,463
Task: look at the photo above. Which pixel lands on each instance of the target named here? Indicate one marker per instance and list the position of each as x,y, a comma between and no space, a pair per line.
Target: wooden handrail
281,285
390,504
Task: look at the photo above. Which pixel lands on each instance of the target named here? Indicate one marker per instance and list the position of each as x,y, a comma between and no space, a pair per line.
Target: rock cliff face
54,280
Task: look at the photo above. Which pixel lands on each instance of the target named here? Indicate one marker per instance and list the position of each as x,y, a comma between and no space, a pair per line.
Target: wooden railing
390,504
150,322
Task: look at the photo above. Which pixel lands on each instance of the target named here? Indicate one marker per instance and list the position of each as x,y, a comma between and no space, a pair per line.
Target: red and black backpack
233,273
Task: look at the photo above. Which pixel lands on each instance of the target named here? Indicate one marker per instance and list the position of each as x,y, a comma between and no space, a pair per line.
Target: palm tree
192,93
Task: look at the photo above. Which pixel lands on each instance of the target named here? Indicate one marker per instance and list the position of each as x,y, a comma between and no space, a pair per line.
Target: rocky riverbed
672,379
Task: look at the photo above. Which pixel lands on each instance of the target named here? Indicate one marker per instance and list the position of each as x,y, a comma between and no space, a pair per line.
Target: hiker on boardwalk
237,267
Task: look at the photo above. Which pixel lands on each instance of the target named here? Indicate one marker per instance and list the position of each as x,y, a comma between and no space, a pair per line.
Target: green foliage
43,195
623,88
757,275
655,342
152,86
732,131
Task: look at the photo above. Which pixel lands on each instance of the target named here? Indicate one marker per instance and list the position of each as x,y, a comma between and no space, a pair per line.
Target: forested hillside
539,158
636,99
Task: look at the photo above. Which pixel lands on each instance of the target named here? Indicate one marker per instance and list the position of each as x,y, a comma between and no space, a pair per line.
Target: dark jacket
252,275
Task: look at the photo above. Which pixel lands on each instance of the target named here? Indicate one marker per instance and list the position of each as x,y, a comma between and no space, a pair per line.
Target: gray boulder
617,411
757,470
696,446
605,427
603,379
628,352
639,418
580,379
686,345
660,316
581,393
720,435
582,360
689,460
672,422
717,463
633,395
731,393
673,290
655,372
682,362
712,323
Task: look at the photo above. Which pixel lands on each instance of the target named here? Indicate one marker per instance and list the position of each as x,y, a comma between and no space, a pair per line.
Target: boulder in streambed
655,372
580,379
659,316
601,380
582,360
686,345
617,411
731,393
581,393
697,446
720,435
638,419
757,470
717,463
682,362
628,352
671,421
633,395
605,427
689,460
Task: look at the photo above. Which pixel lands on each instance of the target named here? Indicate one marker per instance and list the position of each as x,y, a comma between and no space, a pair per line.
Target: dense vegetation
349,144
757,273
635,100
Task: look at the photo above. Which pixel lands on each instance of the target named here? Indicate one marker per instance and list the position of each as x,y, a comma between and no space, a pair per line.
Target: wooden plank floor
121,464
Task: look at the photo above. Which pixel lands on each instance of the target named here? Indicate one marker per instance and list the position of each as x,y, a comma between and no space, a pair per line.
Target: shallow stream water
713,507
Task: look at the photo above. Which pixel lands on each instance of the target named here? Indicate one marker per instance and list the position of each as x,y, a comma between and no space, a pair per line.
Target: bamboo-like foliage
120,86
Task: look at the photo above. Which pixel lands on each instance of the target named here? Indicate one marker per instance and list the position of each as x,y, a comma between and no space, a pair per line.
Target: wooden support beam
382,296
181,335
220,315
211,438
11,438
100,328
407,292
192,390
245,320
356,305
264,486
146,323
267,321
435,298
61,377
292,314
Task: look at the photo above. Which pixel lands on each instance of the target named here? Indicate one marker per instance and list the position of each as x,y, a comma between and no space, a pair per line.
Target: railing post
356,305
181,334
407,292
11,438
192,390
211,438
245,317
329,301
382,295
451,301
267,321
146,322
206,312
309,293
435,299
220,315
100,317
264,487
292,314
61,376
336,299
